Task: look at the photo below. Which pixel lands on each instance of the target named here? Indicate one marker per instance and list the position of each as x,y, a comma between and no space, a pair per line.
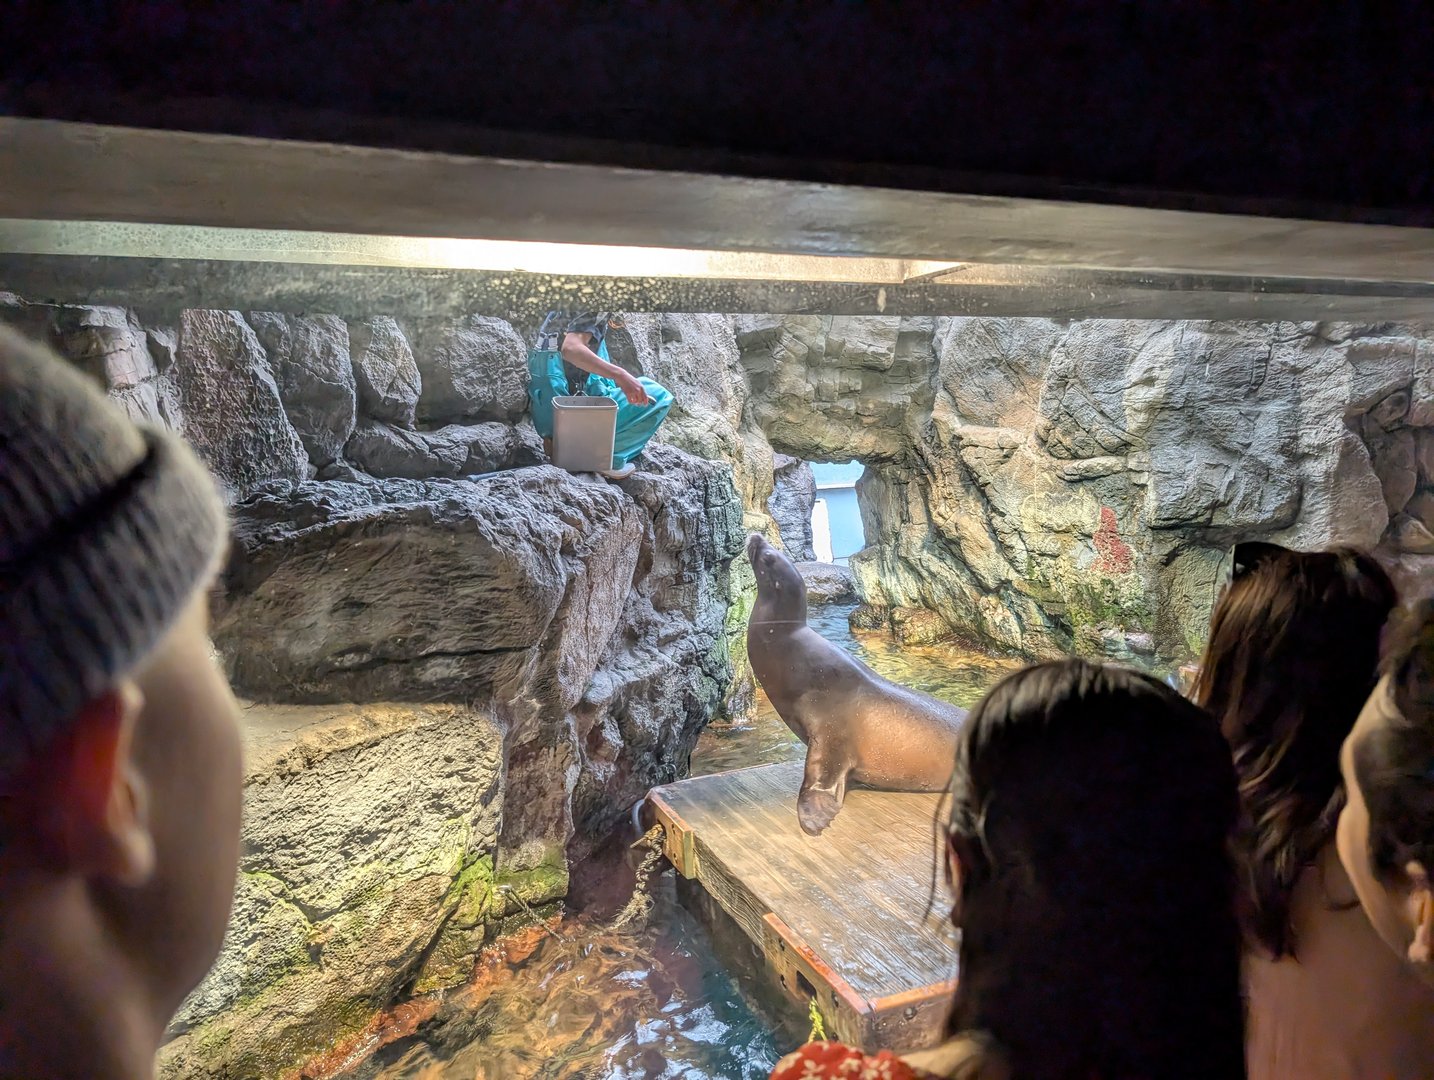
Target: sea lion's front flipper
823,790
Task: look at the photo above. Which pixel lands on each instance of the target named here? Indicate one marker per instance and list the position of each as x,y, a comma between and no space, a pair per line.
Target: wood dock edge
678,842
804,975
912,1020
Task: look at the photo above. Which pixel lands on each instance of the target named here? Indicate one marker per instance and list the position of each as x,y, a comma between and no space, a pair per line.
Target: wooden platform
841,917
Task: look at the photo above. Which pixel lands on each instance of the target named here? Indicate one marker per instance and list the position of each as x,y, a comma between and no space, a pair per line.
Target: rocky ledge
333,916
564,638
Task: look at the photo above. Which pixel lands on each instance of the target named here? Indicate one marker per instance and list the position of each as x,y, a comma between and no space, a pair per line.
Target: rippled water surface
587,1003
655,999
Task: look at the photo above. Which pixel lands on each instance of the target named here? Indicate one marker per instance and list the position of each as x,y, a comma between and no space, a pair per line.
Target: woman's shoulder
819,1060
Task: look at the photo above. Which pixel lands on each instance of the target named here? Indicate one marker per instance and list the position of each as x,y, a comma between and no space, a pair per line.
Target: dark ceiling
1293,109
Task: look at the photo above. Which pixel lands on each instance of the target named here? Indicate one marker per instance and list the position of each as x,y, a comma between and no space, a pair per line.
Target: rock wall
794,494
536,649
333,916
1040,486
698,358
464,666
827,583
1043,485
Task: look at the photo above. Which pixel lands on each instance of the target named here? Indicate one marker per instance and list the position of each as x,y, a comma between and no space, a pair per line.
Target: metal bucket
583,431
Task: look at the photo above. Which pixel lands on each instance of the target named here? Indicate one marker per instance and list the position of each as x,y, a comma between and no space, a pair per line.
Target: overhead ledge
66,172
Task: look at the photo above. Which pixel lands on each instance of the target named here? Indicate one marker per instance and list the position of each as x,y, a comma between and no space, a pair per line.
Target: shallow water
585,1001
590,1003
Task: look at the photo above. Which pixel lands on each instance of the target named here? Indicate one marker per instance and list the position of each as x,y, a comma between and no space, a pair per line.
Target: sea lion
857,725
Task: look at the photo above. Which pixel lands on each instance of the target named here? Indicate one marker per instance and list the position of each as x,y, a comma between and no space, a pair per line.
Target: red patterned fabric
834,1061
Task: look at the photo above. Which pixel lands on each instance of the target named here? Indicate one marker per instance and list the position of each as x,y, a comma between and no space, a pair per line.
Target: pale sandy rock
827,583
1411,535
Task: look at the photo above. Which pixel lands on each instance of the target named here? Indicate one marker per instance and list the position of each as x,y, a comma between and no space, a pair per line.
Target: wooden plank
844,914
677,838
914,1019
806,976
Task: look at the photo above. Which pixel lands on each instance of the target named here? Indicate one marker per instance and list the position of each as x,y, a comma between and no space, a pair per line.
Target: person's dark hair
1394,763
1093,812
1292,656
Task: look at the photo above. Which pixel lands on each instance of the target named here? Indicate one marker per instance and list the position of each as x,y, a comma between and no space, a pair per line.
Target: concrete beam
161,288
62,171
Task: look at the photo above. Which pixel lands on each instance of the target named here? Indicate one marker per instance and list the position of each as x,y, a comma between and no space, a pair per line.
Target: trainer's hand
632,389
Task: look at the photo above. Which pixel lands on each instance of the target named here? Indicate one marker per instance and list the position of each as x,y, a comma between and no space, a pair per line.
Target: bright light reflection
19,236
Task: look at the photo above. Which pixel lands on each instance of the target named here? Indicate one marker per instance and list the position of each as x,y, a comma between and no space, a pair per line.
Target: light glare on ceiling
33,237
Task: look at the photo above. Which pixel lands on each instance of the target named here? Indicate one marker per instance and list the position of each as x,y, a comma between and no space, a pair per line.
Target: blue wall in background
847,535
835,485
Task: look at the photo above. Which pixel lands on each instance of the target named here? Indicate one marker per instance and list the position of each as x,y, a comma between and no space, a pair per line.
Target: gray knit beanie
106,533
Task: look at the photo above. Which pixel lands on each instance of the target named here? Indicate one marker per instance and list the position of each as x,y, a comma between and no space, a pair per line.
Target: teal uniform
550,377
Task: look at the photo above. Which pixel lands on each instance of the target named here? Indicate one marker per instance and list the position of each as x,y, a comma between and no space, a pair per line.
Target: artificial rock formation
1043,485
1032,484
574,629
1040,485
385,372
475,370
697,357
309,356
463,666
369,832
827,583
537,649
794,494
454,450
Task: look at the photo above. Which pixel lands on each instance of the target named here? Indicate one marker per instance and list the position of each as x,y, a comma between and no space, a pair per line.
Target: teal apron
636,424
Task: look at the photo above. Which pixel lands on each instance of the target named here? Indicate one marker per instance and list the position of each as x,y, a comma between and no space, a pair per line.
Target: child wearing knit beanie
120,763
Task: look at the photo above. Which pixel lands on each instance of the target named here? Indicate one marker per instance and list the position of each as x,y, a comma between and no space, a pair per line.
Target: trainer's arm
575,351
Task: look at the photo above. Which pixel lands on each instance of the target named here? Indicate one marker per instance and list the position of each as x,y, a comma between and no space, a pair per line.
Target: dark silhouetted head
1292,657
1091,827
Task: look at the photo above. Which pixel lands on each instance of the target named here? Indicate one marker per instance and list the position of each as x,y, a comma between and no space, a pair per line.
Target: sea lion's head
779,584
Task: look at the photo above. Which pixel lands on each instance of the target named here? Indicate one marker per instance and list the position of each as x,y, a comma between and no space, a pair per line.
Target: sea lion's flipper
823,790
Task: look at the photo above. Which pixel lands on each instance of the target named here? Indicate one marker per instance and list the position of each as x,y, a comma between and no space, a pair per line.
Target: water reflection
654,1000
590,1004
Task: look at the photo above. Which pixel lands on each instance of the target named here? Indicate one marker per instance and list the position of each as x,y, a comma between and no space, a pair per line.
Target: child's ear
90,803
1421,912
